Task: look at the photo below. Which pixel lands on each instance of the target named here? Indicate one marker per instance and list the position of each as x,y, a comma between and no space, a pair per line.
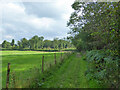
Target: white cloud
18,15
13,10
1,30
18,23
15,7
66,7
8,37
39,23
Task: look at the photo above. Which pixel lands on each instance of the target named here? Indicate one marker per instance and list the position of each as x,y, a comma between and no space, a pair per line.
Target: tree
41,43
47,43
32,44
8,45
55,43
36,41
100,21
20,45
24,43
4,44
60,44
13,42
0,46
95,25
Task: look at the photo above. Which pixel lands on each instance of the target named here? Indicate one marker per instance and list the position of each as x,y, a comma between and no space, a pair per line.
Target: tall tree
20,45
32,43
47,43
41,43
55,43
24,43
36,41
4,44
97,19
13,42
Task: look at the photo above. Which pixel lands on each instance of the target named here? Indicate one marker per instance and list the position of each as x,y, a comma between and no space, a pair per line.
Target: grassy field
26,70
26,65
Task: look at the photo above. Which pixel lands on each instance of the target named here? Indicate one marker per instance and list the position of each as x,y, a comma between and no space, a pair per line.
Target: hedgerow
103,67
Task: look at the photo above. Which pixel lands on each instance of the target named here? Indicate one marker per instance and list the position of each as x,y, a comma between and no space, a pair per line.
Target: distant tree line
36,43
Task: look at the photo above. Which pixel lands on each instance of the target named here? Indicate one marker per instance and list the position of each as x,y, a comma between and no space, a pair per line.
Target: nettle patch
103,67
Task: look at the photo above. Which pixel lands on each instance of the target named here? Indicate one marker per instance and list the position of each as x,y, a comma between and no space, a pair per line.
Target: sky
26,19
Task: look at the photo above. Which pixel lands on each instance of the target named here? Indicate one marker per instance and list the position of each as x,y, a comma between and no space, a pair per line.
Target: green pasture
26,70
25,66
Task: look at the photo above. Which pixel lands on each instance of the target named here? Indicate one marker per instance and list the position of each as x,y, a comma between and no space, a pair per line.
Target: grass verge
69,74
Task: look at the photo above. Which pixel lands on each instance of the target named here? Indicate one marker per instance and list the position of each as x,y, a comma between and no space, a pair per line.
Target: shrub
103,67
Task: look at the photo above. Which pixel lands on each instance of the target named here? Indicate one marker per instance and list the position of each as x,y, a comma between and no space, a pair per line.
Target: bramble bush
104,67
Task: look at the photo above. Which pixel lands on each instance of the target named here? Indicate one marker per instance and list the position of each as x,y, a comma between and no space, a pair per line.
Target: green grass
70,74
26,65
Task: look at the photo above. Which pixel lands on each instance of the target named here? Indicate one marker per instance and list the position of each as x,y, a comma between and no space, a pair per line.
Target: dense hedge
103,67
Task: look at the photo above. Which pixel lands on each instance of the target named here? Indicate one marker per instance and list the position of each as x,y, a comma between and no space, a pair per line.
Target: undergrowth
103,67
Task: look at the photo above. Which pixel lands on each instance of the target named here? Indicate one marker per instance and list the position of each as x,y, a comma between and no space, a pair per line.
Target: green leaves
76,5
102,66
98,30
100,20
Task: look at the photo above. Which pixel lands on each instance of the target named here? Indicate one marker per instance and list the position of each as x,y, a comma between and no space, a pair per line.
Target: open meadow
25,66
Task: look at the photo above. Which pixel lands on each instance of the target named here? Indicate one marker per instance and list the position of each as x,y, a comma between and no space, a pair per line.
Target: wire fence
12,80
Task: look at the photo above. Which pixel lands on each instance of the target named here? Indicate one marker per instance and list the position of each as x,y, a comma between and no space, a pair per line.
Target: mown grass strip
69,74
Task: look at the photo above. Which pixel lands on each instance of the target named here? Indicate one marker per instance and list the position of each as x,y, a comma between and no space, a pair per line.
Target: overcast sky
26,19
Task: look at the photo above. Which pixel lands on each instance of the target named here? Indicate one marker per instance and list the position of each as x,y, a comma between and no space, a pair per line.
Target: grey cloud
43,9
18,28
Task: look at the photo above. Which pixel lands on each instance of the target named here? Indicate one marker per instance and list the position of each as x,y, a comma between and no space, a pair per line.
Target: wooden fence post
61,57
55,58
8,73
50,65
42,63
